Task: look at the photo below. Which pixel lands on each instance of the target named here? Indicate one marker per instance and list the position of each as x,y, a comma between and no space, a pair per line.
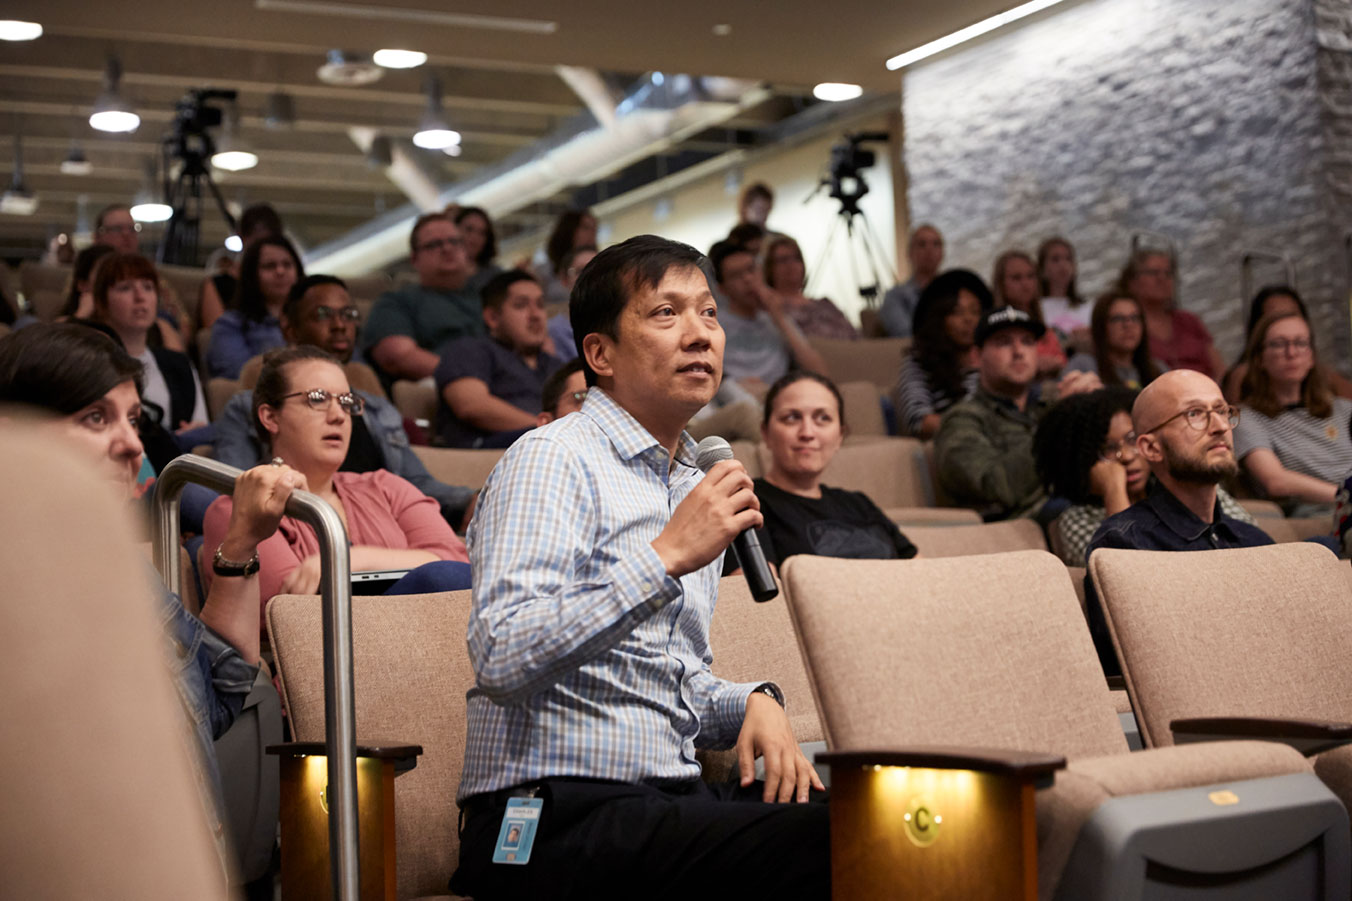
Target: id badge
517,834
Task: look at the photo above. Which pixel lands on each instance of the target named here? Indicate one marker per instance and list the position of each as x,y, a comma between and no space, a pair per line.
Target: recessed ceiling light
722,30
14,30
234,244
902,60
836,91
399,59
151,211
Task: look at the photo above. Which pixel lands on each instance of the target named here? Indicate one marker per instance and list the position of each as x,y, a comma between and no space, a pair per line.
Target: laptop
376,581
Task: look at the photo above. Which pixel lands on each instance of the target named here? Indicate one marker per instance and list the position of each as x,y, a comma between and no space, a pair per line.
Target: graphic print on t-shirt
834,538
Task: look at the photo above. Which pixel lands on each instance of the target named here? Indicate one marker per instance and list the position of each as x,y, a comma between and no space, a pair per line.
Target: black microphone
746,545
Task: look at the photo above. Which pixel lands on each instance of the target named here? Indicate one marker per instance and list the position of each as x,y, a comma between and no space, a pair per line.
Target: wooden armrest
405,757
1019,765
1306,736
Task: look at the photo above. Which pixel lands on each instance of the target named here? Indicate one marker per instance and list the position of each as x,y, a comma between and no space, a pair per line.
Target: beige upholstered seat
932,517
459,466
983,538
219,392
415,400
989,651
411,675
863,408
747,454
891,471
1253,632
875,360
359,376
1285,531
99,796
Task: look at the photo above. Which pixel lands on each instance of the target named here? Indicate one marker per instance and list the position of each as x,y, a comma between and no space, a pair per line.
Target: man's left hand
766,733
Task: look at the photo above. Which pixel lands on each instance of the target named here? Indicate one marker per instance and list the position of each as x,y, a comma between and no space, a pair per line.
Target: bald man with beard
1184,431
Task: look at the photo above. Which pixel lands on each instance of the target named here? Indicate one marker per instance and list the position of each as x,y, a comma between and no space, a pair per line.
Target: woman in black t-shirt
803,428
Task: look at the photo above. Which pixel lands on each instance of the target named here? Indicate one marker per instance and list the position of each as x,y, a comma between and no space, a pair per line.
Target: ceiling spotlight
234,244
453,150
112,112
147,205
836,91
14,30
232,154
433,132
279,111
75,162
399,59
18,200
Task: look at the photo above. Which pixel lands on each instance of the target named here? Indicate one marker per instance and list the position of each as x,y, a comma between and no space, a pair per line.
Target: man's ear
597,349
1149,447
492,316
543,419
288,334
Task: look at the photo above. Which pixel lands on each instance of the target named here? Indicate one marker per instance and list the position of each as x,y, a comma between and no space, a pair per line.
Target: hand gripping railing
335,586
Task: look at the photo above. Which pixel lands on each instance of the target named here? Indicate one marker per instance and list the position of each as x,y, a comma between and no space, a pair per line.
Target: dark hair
1070,437
1256,389
998,280
719,253
754,190
418,224
1258,306
249,299
490,249
746,233
552,391
561,239
1132,268
83,271
931,346
120,267
272,385
110,208
777,242
1140,356
1043,251
63,367
499,286
302,287
793,378
260,218
615,275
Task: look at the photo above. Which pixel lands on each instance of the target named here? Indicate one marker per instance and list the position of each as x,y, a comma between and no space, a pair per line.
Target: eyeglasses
318,399
1199,418
1282,345
1125,319
119,229
324,314
1114,450
440,244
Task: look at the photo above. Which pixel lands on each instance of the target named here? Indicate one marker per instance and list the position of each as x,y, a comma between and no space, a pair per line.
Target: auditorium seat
364,289
1284,531
748,454
932,517
982,538
1259,633
459,466
876,360
1260,509
415,400
219,391
891,471
863,408
100,798
992,652
359,376
186,283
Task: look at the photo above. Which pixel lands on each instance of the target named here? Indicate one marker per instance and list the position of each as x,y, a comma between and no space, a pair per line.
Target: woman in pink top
1178,339
303,409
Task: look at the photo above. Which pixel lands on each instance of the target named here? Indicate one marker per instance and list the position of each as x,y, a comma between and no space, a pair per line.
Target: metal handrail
1246,290
335,587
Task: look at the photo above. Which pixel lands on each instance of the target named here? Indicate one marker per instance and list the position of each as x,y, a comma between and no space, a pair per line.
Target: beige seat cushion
981,538
876,360
459,466
907,517
863,408
415,400
219,392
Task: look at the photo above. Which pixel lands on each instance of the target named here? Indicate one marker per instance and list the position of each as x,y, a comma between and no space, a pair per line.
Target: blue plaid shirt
589,660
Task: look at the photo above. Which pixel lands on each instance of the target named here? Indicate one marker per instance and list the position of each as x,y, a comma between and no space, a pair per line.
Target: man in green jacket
984,447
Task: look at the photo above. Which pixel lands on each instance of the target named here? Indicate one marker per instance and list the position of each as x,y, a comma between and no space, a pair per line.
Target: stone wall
1224,124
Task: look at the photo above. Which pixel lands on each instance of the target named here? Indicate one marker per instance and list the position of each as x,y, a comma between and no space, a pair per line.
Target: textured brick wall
1223,123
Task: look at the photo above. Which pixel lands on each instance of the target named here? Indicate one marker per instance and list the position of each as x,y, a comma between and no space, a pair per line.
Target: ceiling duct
656,114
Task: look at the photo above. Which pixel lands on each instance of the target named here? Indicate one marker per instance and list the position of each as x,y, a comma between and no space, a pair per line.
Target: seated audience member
114,227
1015,284
573,229
926,253
488,389
304,408
596,553
762,342
1062,306
1183,431
409,324
563,393
754,204
940,368
80,295
815,317
91,387
319,312
251,326
1293,439
1086,453
1177,338
1271,301
218,291
803,427
481,246
1121,348
984,446
750,236
559,327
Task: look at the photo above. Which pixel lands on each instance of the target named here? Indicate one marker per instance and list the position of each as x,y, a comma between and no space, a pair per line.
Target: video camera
193,115
848,160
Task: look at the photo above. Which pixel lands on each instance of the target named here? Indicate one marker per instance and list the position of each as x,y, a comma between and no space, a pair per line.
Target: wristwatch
771,689
223,567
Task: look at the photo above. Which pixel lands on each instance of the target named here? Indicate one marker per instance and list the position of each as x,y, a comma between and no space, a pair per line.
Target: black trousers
602,840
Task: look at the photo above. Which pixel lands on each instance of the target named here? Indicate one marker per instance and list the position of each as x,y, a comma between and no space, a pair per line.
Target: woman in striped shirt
940,370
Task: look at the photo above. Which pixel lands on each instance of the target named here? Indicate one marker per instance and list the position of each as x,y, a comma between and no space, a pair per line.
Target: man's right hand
705,523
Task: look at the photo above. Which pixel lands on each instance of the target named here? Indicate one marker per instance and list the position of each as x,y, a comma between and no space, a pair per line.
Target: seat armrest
405,757
1306,736
1019,765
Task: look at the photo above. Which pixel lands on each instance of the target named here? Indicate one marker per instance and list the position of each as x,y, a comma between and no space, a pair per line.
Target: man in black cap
984,447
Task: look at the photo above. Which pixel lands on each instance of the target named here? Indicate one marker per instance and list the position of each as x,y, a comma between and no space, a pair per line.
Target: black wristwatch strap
771,689
223,567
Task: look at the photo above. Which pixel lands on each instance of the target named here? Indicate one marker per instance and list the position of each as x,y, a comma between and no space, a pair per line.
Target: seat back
412,672
219,392
99,793
863,408
891,471
748,454
988,651
1239,632
876,360
459,466
1285,531
415,400
910,517
983,538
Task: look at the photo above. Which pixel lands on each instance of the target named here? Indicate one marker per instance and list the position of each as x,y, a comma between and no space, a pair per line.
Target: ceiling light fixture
112,112
15,30
836,91
147,206
371,12
433,132
234,243
18,200
902,60
232,153
75,162
399,59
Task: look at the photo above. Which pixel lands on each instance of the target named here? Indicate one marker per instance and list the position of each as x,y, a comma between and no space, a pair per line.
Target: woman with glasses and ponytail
303,409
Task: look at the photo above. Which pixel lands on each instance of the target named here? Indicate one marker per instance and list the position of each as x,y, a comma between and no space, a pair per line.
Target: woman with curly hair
1085,452
940,369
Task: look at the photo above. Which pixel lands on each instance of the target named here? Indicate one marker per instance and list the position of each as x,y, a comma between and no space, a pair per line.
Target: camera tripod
184,195
860,242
